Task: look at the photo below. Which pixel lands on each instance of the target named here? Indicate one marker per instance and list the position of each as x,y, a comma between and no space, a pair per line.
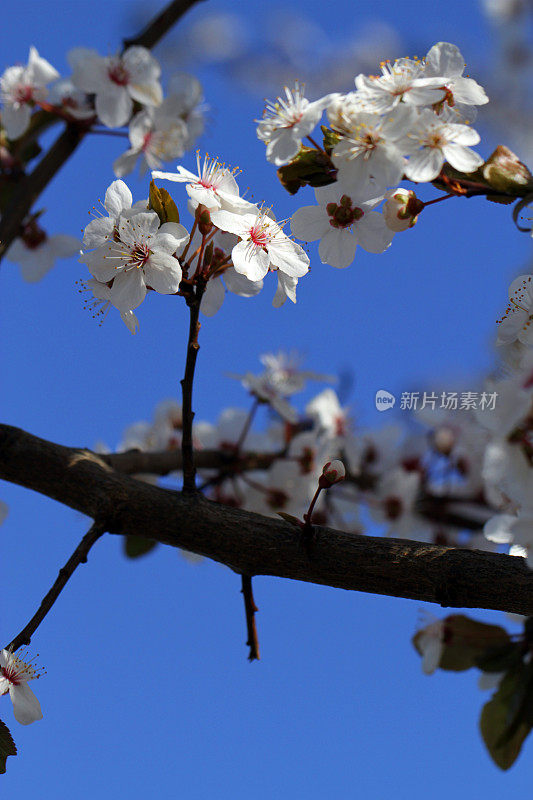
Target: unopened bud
332,472
505,172
203,218
401,210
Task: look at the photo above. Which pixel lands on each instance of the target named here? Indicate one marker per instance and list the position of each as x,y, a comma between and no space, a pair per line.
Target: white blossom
263,245
439,141
14,676
117,81
343,219
36,252
140,255
516,322
404,81
214,186
287,121
22,87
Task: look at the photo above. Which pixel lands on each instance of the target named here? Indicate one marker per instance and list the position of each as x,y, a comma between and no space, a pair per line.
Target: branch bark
157,28
251,544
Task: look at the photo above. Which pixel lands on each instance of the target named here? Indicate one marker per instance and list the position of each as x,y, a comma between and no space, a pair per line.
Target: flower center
344,214
118,74
23,94
259,235
33,236
139,256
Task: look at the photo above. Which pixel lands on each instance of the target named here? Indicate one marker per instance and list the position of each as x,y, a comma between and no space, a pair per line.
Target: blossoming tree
288,498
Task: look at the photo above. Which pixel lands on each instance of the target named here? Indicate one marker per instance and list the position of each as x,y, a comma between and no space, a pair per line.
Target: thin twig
157,28
250,609
189,471
246,428
79,556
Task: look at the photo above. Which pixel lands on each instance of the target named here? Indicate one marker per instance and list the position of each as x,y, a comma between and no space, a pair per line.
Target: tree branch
193,302
79,556
31,186
251,544
157,28
250,610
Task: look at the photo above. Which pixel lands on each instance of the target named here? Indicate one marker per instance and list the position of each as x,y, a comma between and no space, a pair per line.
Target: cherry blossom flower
263,245
405,81
440,140
20,89
139,256
445,62
117,81
214,186
343,219
71,100
286,121
331,419
165,132
186,97
156,135
36,253
369,147
516,322
14,676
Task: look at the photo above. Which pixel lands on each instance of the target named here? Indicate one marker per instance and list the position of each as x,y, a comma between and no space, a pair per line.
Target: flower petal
26,707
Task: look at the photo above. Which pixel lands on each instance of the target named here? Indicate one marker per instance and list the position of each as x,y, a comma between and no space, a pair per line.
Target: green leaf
330,139
466,639
500,658
163,204
309,168
7,746
507,718
136,546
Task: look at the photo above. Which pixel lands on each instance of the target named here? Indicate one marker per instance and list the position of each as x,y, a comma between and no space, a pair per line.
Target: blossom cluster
114,91
405,123
130,251
441,483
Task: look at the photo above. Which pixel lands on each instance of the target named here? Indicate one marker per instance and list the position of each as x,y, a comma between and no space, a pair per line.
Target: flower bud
203,218
401,210
506,173
332,472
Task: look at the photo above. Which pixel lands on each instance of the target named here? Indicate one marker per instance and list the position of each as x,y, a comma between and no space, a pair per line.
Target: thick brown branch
134,462
255,545
462,513
157,28
79,556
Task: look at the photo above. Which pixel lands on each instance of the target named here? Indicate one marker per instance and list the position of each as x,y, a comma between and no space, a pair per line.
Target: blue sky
148,688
